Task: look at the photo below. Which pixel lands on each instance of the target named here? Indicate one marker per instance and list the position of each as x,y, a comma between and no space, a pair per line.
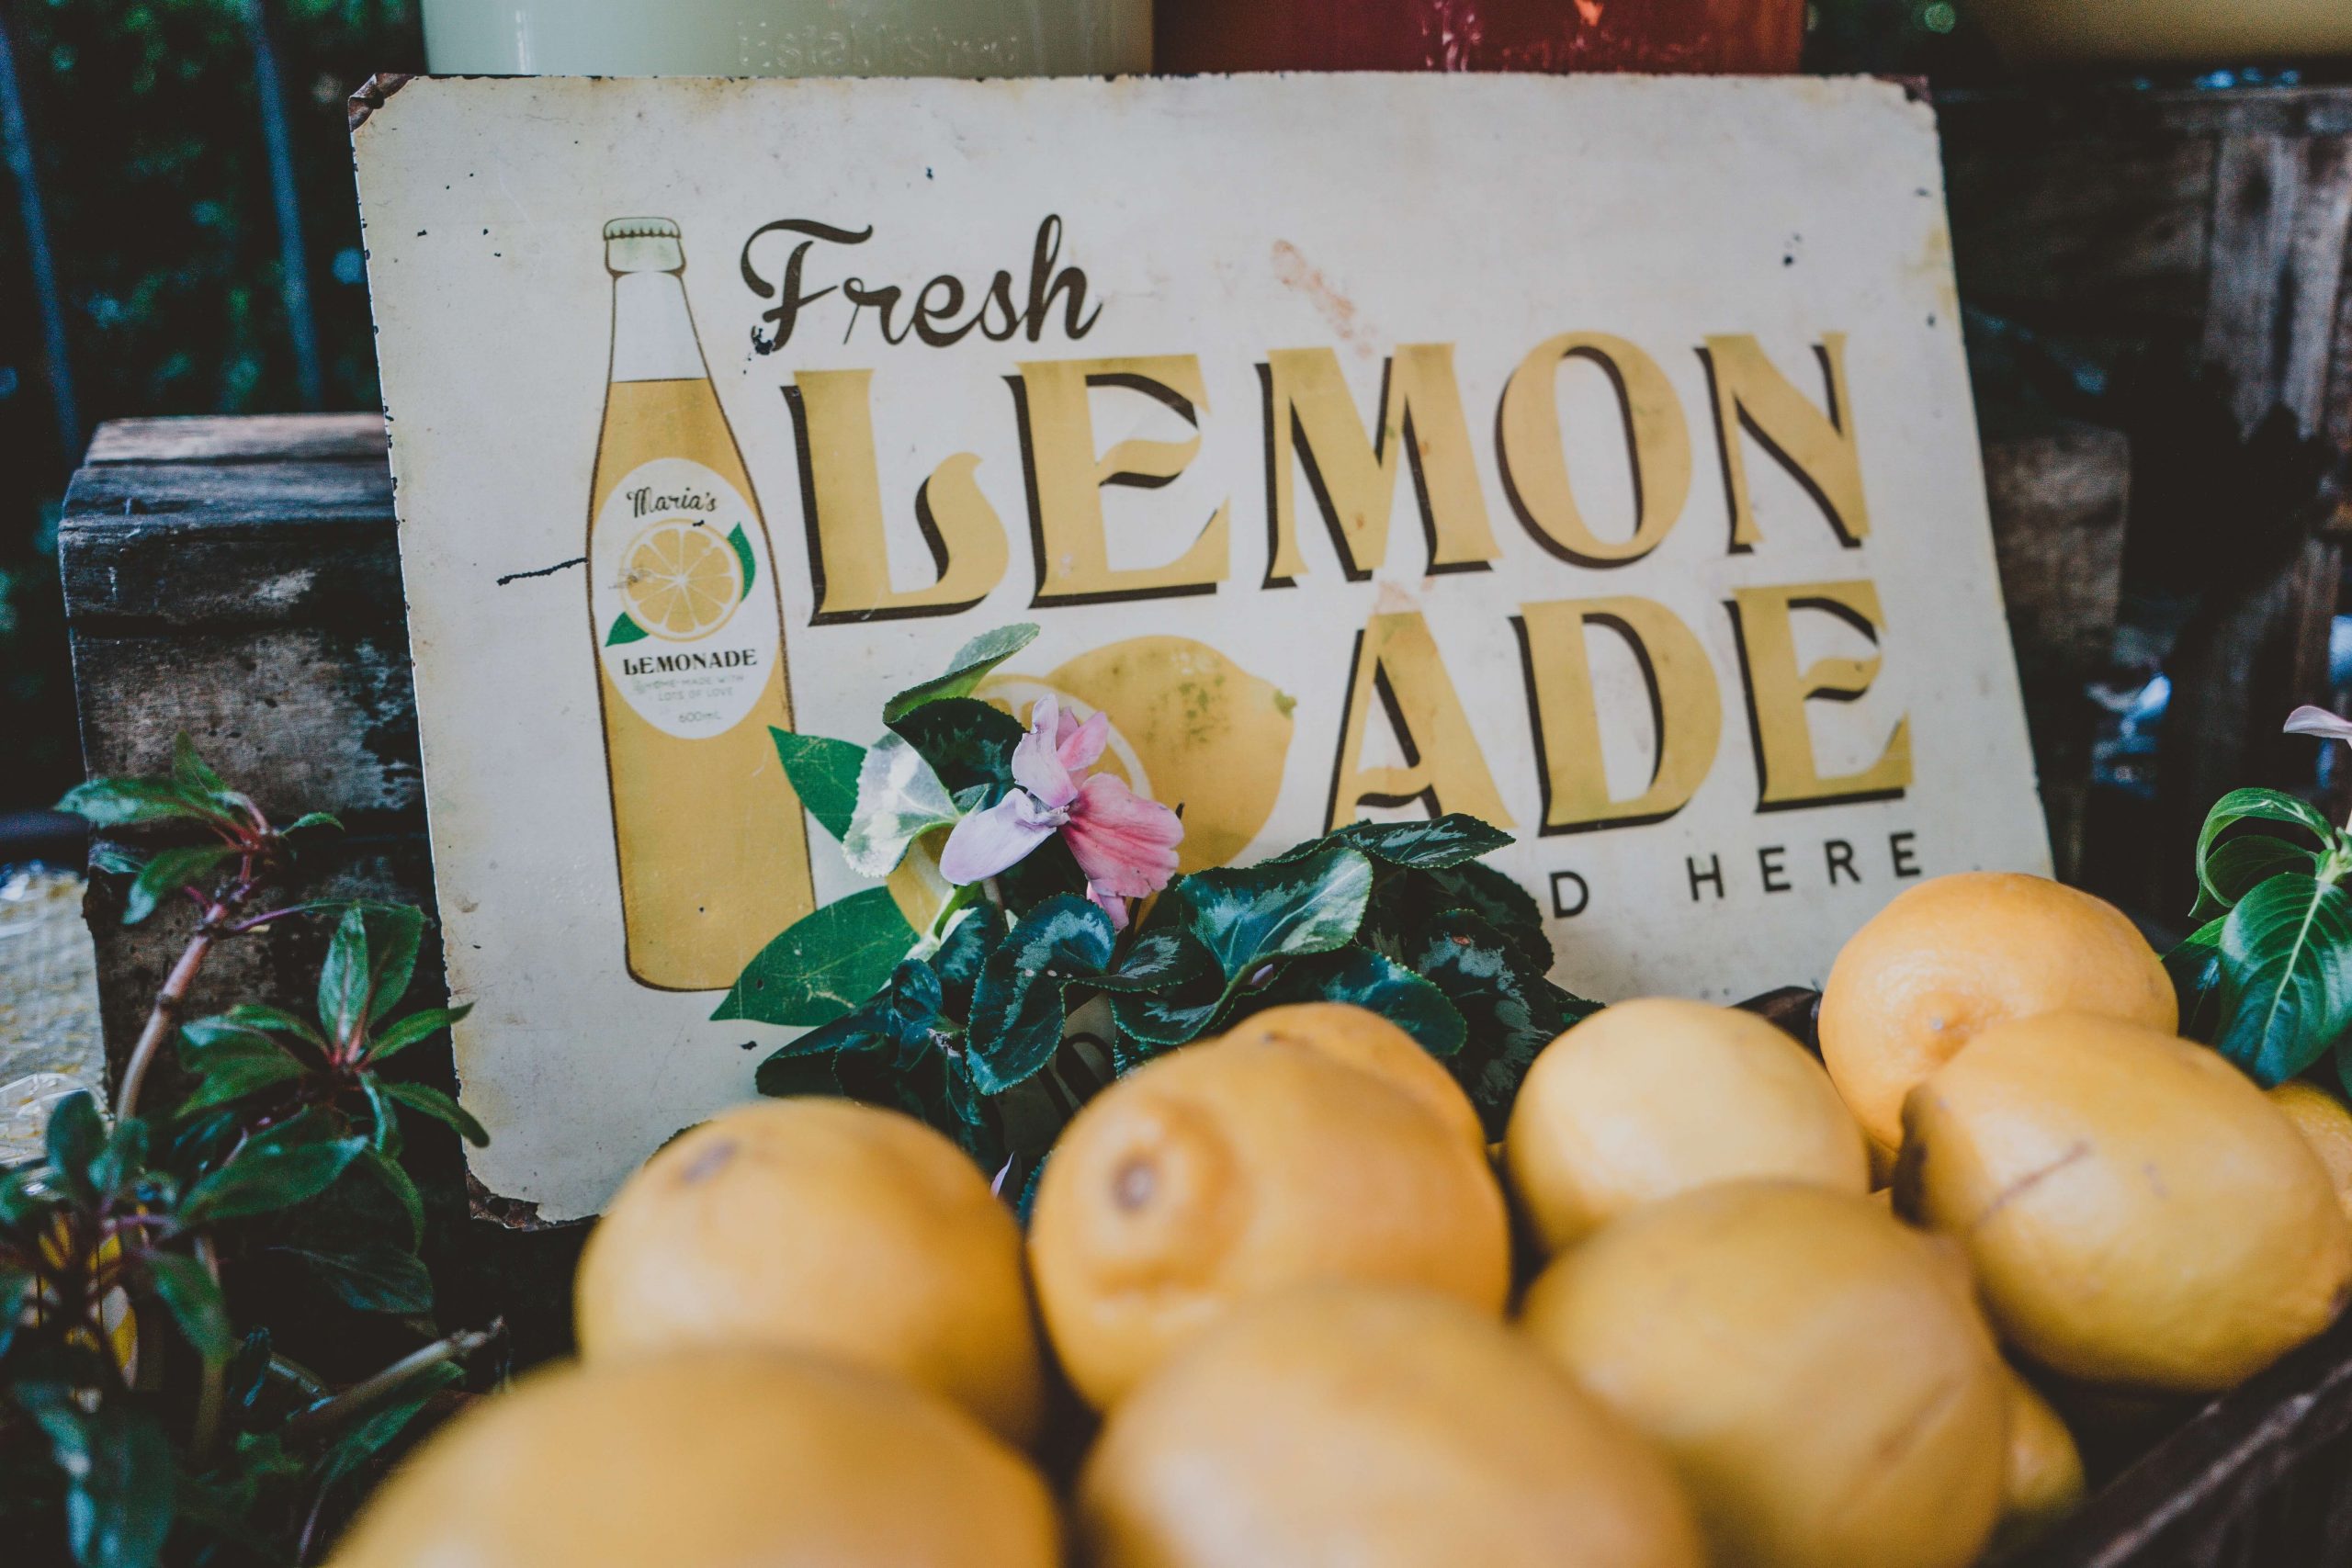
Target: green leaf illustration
625,630
966,671
824,965
823,773
743,558
2287,977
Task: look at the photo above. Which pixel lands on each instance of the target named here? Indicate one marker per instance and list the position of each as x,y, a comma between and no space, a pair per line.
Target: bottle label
686,618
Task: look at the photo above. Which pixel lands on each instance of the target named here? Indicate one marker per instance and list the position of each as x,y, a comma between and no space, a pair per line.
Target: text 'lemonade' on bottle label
689,633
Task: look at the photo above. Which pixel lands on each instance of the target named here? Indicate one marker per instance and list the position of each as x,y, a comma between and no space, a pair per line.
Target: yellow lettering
1685,709
1535,464
1778,691
1816,448
1398,660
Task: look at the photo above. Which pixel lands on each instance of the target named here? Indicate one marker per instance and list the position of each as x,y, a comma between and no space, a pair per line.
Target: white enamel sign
1592,455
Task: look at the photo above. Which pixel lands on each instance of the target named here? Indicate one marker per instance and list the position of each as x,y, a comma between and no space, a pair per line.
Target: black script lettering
997,316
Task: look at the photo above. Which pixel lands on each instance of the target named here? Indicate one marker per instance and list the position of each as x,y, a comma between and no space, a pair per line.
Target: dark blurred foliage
147,133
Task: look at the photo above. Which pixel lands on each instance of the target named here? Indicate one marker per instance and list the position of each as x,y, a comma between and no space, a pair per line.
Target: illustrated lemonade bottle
689,636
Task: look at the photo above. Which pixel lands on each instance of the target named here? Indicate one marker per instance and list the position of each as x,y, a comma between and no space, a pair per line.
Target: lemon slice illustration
681,581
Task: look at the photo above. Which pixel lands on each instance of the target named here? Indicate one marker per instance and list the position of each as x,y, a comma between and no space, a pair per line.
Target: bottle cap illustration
643,244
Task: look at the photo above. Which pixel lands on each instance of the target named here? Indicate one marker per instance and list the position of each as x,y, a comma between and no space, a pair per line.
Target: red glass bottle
1678,36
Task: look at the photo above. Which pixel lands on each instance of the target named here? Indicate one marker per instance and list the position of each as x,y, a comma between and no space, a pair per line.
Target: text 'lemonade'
689,635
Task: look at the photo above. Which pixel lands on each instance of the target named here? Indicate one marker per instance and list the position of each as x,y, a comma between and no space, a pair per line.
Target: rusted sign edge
372,95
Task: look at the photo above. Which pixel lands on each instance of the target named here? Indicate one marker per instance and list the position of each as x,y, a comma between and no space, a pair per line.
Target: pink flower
1124,844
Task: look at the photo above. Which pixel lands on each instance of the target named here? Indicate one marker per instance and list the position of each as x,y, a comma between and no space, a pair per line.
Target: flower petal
987,841
2309,720
1125,844
1110,904
1081,745
1037,765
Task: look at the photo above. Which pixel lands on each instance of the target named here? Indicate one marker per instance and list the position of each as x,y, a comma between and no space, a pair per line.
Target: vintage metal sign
1591,455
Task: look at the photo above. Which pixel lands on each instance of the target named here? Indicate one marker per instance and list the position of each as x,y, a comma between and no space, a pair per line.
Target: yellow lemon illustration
681,581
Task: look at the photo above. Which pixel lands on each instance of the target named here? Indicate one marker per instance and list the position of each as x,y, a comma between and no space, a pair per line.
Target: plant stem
211,1392
324,1416
163,1017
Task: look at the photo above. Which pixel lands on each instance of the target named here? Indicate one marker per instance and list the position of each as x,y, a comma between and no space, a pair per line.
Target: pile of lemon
1281,1269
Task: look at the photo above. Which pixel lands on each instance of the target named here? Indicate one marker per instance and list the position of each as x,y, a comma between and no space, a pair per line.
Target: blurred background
178,235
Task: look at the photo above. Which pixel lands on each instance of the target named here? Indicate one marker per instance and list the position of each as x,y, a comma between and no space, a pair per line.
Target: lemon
2043,1482
712,1456
1379,1429
1646,1099
1361,1038
681,581
1960,954
1811,1368
2326,1125
1226,1171
2138,1214
820,1225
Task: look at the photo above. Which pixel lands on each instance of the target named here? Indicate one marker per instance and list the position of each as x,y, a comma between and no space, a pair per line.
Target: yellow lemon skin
1212,736
2138,1214
736,1457
820,1225
1646,1099
2326,1125
1379,1429
1361,1038
1230,1170
1812,1371
2043,1482
1960,954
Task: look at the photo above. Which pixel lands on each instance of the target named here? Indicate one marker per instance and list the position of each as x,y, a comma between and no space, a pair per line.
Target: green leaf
823,773
968,744
119,803
373,1278
625,631
825,964
361,1442
965,672
231,1063
395,931
422,1024
343,978
192,1297
261,1018
309,819
899,798
167,873
1496,899
2287,977
2238,865
123,1159
278,1167
2196,970
388,1174
1440,841
1510,1012
1018,1009
961,955
743,557
122,1479
1168,991
1371,980
441,1108
2254,805
1255,915
77,1137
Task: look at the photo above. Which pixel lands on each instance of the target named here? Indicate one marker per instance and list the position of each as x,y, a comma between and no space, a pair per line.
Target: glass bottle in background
788,38
689,638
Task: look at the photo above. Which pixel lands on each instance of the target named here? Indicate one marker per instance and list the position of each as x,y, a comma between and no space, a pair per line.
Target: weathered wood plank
2281,209
357,490
319,719
240,438
2059,503
132,573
